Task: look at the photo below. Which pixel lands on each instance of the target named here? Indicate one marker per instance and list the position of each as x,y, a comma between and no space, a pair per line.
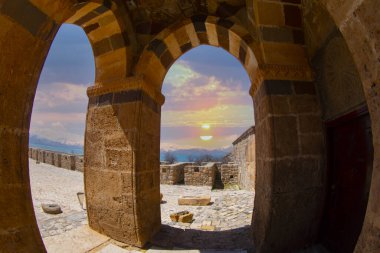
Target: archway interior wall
24,43
337,79
361,18
289,166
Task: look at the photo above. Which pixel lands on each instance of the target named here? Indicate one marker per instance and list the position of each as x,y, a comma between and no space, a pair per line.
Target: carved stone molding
258,79
287,72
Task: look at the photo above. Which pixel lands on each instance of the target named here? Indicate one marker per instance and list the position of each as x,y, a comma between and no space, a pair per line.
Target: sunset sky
206,94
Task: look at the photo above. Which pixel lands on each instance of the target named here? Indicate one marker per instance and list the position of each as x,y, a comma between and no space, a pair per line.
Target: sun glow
206,126
206,137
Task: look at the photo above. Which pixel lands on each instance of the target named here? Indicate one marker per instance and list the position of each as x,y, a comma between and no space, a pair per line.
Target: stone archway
25,40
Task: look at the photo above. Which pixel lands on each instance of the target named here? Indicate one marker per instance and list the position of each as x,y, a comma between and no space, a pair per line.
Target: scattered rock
184,217
161,195
194,200
51,208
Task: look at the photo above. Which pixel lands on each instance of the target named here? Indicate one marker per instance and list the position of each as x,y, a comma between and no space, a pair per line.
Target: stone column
121,166
290,166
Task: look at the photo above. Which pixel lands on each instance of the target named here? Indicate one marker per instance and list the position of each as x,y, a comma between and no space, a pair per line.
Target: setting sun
206,137
206,126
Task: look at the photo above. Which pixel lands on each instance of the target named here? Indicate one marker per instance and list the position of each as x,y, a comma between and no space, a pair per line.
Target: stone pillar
122,161
290,172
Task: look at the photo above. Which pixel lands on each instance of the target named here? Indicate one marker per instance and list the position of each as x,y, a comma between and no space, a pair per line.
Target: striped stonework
108,36
165,48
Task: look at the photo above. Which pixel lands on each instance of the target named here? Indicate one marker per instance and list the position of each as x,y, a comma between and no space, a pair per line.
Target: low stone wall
230,174
79,163
62,160
57,159
40,155
172,173
49,157
200,175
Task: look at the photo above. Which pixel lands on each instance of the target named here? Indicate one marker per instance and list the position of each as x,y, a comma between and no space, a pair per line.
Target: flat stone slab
194,200
79,240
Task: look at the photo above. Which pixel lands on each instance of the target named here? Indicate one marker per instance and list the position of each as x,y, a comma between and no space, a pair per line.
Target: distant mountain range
38,142
182,155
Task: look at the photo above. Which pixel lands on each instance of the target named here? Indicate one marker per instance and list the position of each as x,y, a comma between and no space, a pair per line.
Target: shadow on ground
170,237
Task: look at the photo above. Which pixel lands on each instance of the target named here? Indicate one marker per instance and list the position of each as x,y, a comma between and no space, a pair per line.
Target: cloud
196,91
194,98
59,113
60,94
57,131
180,74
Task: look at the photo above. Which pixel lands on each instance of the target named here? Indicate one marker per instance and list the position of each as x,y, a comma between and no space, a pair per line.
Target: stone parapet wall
61,160
200,175
49,157
172,173
230,174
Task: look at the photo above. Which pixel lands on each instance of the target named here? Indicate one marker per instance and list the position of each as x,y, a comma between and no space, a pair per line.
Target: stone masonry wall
243,154
200,175
62,160
230,174
172,173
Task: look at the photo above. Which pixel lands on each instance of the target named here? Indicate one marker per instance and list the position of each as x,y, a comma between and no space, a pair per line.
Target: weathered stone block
184,216
194,200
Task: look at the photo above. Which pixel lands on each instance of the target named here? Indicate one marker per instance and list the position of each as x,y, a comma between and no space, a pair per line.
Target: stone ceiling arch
111,38
170,44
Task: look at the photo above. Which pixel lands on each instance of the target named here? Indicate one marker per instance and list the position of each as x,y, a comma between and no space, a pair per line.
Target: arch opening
207,109
57,135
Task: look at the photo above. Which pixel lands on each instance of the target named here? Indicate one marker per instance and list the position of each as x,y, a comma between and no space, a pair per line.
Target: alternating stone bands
122,97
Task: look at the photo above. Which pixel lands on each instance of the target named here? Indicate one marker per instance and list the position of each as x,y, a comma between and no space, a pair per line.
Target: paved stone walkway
229,213
56,185
229,209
